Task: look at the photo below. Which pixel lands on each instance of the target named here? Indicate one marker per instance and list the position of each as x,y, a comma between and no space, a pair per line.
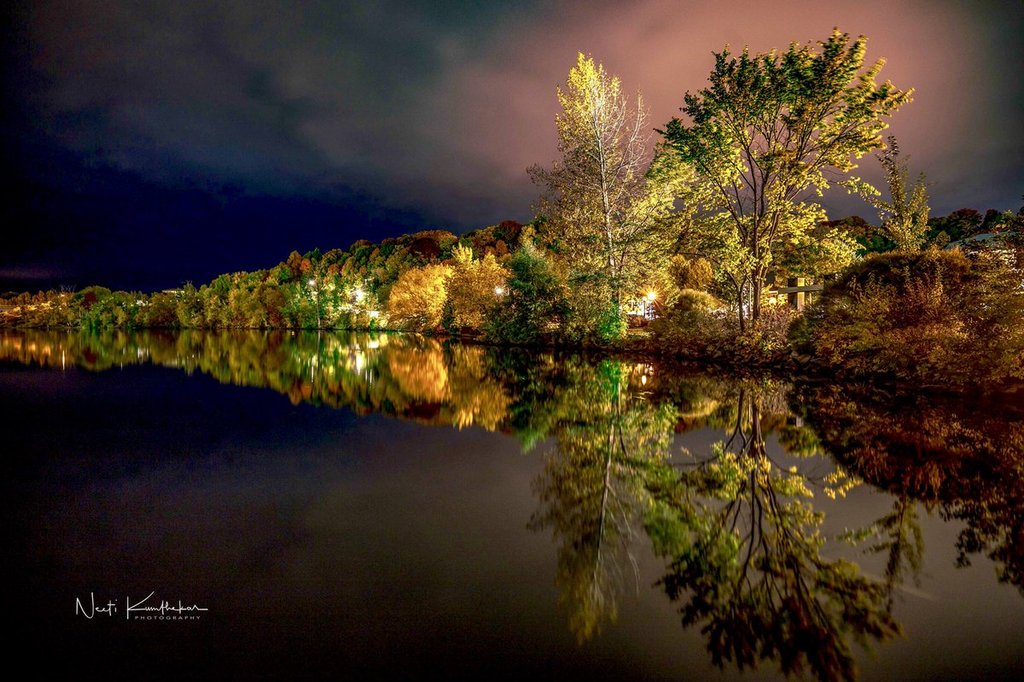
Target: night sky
149,143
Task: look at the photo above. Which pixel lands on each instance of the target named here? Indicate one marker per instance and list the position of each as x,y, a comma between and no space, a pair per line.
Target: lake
309,505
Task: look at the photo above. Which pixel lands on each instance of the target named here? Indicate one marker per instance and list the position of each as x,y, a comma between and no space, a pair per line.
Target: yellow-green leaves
605,206
905,215
768,131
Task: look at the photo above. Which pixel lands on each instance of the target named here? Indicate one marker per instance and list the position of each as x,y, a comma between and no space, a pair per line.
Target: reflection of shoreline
405,376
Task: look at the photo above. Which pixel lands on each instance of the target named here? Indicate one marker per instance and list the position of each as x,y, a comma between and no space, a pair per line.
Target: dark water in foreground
392,506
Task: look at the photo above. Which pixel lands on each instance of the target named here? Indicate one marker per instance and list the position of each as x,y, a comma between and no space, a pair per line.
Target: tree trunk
739,306
756,286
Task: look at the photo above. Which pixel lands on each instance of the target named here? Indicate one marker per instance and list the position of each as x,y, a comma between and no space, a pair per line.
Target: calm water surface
349,506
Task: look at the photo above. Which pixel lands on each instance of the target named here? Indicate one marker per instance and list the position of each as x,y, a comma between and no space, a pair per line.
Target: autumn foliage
934,318
418,297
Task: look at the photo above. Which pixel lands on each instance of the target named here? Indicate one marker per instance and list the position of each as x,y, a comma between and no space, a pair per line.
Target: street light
499,290
316,293
649,304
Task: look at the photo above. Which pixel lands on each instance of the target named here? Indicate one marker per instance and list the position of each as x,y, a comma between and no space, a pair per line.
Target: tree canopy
768,133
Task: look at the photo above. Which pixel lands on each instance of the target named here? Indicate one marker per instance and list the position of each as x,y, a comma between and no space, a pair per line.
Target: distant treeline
502,281
337,289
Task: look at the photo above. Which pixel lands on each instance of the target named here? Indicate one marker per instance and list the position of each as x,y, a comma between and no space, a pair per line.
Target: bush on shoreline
933,318
699,326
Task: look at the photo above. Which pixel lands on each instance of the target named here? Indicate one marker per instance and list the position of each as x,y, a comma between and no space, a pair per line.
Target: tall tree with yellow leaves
608,215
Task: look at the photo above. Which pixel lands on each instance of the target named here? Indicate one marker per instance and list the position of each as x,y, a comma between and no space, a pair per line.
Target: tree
764,135
475,287
418,297
905,216
964,222
534,300
609,217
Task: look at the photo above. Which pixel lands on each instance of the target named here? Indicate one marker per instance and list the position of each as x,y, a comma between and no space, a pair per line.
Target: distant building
998,243
641,310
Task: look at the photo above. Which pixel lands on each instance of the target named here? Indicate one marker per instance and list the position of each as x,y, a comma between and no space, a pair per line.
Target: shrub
935,317
701,326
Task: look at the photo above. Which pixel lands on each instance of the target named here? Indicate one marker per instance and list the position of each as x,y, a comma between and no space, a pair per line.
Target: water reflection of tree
898,536
744,550
743,544
406,376
965,457
593,487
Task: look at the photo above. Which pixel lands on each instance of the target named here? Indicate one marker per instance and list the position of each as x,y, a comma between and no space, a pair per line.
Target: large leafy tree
533,303
476,286
418,297
768,133
607,214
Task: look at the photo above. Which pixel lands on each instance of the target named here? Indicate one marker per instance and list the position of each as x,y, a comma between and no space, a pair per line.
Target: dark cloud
343,120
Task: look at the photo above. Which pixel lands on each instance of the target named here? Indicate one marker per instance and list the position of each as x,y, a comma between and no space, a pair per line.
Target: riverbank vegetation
929,317
677,245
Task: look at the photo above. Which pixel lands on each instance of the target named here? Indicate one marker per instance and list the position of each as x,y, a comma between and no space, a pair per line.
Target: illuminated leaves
418,297
764,134
606,215
476,286
594,487
745,563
